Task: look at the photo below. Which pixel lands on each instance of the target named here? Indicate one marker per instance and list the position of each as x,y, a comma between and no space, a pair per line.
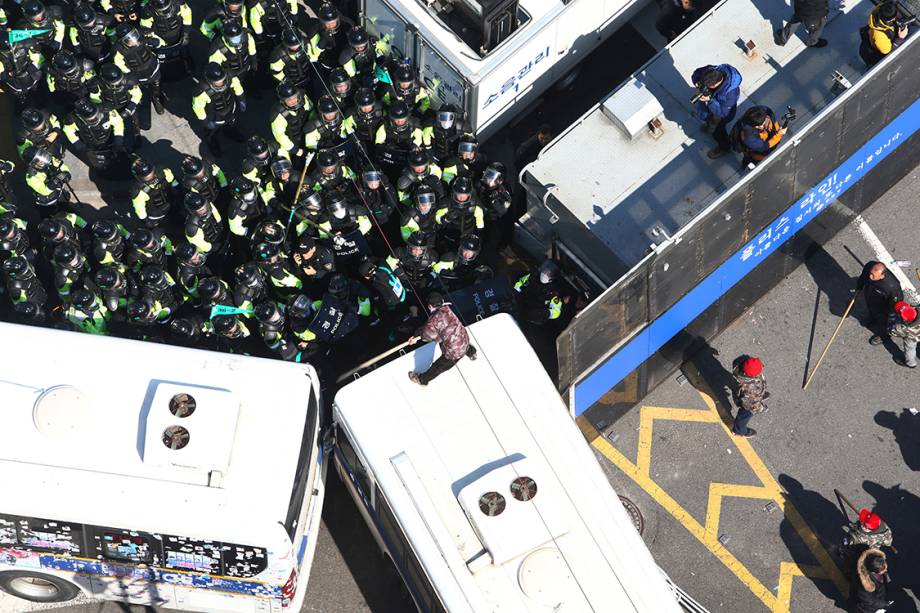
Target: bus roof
629,207
84,419
438,452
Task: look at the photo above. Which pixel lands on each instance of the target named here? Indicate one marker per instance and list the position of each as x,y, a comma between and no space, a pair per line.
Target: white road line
882,255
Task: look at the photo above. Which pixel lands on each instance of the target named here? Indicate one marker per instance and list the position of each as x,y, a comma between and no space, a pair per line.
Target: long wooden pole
843,318
371,361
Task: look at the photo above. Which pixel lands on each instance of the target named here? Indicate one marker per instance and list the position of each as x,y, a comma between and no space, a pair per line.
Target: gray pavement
754,525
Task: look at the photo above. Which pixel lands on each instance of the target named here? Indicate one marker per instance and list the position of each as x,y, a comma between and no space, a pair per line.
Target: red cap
869,520
907,312
752,367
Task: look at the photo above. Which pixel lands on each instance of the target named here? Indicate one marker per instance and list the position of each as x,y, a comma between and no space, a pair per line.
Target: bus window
242,561
126,546
391,530
49,535
354,463
192,555
299,489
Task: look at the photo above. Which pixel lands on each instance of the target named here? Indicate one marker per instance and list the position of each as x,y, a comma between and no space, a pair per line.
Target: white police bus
482,491
156,475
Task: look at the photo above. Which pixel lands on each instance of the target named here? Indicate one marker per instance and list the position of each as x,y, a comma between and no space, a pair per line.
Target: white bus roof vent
632,108
65,413
544,576
514,509
192,428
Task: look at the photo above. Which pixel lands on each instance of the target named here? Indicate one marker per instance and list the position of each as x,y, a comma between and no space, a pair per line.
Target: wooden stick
371,361
828,346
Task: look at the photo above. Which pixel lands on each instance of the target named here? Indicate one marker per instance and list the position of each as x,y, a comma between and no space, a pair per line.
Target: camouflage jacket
750,392
906,331
857,535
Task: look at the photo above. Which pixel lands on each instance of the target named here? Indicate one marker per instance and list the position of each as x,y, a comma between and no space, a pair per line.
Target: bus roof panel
483,421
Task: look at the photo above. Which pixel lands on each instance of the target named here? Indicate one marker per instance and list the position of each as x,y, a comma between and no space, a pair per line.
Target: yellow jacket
881,35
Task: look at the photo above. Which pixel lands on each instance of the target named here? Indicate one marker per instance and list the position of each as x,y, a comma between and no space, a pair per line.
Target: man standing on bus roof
718,89
750,393
442,326
813,13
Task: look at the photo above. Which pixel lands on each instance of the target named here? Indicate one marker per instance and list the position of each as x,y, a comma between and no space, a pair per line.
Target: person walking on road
882,290
750,394
869,588
813,13
906,327
442,326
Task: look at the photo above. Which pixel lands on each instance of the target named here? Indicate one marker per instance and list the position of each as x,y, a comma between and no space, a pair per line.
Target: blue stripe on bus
618,366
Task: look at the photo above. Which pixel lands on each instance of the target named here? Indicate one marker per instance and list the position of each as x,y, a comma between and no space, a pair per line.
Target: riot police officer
191,268
376,193
90,36
20,67
135,54
243,213
218,102
391,296
235,50
274,332
108,243
36,16
158,289
315,261
328,41
330,174
145,247
203,227
359,59
115,287
96,131
274,265
119,91
347,225
61,229
468,160
463,268
231,333
221,12
205,178
69,75
69,265
405,88
421,219
87,313
446,133
212,291
330,129
153,192
14,240
47,177
368,116
340,86
460,213
290,116
22,285
7,195
496,199
171,21
542,299
396,136
420,170
289,60
39,128
279,192
267,19
249,286
258,160
414,263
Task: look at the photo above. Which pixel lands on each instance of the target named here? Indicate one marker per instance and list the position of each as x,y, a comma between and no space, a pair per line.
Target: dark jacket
724,101
810,10
443,326
882,294
869,592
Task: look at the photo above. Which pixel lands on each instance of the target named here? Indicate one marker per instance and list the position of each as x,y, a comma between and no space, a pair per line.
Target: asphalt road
754,525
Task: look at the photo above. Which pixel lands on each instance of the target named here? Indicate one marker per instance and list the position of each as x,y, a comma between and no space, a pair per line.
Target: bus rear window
242,561
192,555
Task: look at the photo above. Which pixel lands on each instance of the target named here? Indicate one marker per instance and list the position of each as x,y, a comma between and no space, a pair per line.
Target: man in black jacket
869,588
882,290
813,13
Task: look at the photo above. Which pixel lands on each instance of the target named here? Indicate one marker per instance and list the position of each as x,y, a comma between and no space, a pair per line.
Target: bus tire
37,587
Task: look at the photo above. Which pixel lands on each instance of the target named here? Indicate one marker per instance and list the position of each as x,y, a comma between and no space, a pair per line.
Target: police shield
333,321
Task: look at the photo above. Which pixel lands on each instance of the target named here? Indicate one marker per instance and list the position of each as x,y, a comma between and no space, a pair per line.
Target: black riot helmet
328,15
493,175
248,274
447,116
8,229
142,238
336,205
192,166
210,288
104,230
17,267
265,251
300,307
216,76
269,231
140,311
85,300
470,246
142,169
64,61
424,197
32,119
327,161
244,188
268,313
399,113
313,202
87,109
195,204
50,230
339,286
364,98
549,272
84,16
111,74
358,39
128,34
417,244
233,7
41,157
232,33
289,95
152,276
162,7
280,166
188,254
328,109
467,145
183,328
372,178
366,269
33,10
461,186
403,77
418,159
339,81
66,254
291,40
257,148
108,278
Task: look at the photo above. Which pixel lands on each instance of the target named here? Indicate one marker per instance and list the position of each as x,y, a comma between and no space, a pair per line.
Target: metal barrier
643,327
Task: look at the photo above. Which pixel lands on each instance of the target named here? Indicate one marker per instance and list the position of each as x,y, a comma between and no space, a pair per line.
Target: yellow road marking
708,533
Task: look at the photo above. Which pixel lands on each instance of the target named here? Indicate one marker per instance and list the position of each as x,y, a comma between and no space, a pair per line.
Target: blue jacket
724,101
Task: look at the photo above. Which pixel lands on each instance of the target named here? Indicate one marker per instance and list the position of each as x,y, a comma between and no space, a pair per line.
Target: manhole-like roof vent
64,413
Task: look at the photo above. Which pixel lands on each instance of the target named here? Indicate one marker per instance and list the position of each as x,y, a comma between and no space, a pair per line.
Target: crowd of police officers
364,199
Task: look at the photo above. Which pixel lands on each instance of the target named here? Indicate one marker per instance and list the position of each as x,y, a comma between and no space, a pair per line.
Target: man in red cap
868,531
906,326
750,393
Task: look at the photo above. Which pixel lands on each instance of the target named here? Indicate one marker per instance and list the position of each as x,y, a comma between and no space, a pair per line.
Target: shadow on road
906,429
